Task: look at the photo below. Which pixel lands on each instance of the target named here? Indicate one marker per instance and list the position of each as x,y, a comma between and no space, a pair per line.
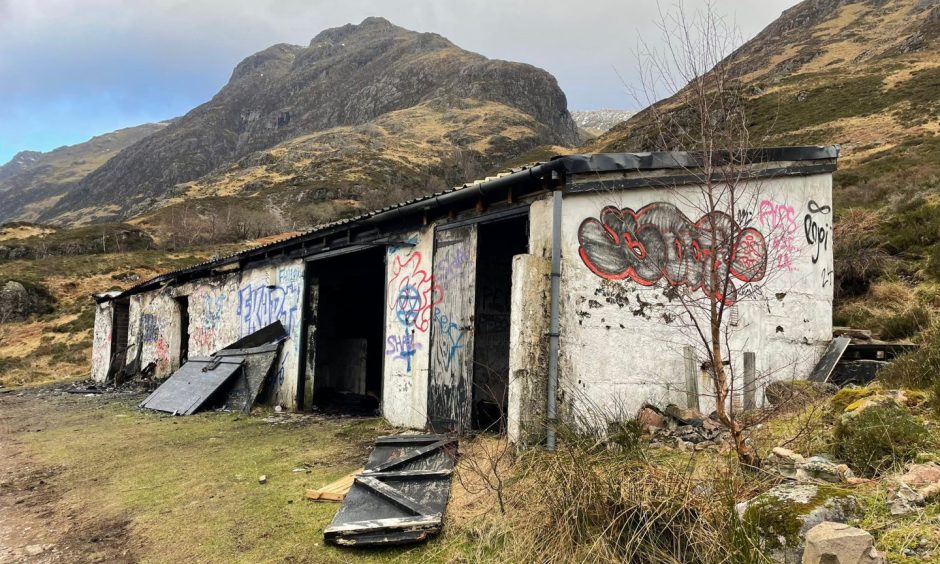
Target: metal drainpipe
553,333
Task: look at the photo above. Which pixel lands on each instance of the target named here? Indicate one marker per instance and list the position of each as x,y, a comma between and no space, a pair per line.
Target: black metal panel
272,333
829,359
187,389
258,367
401,495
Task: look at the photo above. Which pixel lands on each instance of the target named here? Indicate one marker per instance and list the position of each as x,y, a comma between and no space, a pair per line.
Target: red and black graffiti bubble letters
659,242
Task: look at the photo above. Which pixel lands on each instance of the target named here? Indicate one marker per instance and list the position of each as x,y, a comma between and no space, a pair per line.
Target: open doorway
183,303
120,322
346,325
498,243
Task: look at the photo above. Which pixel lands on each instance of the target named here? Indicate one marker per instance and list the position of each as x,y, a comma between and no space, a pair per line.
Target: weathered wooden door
450,389
310,336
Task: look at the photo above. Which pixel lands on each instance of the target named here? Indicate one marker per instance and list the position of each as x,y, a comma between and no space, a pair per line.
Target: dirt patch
35,524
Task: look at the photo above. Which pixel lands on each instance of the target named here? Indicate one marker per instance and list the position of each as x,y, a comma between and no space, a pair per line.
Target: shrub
919,369
906,324
859,258
878,437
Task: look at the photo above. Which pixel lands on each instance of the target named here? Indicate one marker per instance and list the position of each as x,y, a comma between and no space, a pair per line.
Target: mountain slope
346,77
864,74
33,181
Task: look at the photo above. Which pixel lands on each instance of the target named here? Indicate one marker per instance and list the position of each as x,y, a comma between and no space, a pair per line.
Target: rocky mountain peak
347,76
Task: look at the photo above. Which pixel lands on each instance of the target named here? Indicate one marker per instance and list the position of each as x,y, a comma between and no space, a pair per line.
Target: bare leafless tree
706,116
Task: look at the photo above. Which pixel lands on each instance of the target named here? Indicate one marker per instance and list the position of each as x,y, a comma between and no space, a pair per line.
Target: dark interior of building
497,243
349,331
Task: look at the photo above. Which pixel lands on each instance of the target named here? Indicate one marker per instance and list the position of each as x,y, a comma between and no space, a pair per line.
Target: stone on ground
838,543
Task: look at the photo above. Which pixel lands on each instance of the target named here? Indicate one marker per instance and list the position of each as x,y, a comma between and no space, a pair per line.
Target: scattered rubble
784,514
837,543
916,487
686,428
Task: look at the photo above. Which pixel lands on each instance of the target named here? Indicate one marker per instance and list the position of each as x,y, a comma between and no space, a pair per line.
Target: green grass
190,484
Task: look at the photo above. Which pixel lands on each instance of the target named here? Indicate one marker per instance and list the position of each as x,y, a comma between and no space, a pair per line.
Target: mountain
361,108
597,122
33,181
864,74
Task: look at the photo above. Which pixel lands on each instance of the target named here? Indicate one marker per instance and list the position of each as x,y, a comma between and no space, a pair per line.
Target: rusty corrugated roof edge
566,164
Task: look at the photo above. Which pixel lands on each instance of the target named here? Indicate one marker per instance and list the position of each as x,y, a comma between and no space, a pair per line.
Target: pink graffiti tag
781,228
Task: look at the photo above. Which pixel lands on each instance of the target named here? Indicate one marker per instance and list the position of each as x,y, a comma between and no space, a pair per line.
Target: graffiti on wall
817,227
412,293
658,242
780,229
205,328
260,305
449,337
152,335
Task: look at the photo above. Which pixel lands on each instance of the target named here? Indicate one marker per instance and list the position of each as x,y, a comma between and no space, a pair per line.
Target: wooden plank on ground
334,491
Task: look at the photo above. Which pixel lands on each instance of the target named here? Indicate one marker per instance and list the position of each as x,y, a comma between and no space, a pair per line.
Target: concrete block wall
101,341
410,298
222,309
624,331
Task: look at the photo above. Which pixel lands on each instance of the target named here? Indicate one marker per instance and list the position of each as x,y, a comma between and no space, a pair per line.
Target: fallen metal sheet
187,389
258,366
273,333
400,496
829,359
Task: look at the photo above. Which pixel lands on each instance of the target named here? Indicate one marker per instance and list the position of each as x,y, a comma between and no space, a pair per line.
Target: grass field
96,479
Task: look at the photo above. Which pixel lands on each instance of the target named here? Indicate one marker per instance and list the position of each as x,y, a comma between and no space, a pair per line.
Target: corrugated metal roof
571,164
324,227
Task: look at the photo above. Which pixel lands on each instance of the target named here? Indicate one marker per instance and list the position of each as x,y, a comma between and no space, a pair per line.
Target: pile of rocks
684,428
916,487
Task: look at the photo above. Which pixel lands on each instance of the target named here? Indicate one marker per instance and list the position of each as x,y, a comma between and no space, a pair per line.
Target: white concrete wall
222,309
101,341
409,309
622,339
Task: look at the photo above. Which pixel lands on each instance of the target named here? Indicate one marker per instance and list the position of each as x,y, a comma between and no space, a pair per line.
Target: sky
71,69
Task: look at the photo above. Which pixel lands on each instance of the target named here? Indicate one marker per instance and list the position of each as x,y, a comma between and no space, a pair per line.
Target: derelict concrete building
441,308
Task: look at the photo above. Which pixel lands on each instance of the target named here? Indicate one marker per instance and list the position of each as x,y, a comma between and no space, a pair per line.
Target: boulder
19,300
877,431
816,468
685,416
838,543
784,514
650,419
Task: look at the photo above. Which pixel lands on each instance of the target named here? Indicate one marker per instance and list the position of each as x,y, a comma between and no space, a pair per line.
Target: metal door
451,376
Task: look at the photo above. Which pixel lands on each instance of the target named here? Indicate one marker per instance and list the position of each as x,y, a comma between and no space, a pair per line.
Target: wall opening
346,325
183,303
120,326
497,243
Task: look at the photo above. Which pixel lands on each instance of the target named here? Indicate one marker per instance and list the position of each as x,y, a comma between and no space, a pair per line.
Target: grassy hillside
32,181
866,75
